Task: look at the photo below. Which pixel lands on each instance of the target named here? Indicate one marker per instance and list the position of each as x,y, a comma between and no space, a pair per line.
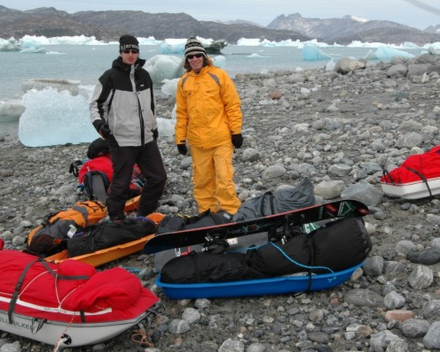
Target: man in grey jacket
122,110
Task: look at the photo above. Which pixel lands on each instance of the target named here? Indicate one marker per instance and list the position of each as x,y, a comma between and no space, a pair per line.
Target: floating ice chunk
58,84
9,45
386,53
166,126
163,67
371,55
329,66
172,46
52,118
219,61
169,87
311,52
11,110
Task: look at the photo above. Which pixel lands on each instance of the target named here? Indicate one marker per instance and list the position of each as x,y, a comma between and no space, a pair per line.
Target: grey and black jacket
124,99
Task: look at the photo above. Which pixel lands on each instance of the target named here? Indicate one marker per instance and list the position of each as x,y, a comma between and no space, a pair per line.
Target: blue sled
271,286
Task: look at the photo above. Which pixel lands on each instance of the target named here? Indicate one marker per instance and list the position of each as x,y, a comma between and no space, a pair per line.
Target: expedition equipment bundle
49,237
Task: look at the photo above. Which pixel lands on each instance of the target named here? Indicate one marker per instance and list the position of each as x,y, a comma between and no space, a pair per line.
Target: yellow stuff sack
51,236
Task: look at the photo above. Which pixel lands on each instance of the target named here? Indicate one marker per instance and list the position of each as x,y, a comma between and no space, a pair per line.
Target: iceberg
386,53
311,52
169,87
59,84
11,110
163,67
52,118
177,46
172,46
9,45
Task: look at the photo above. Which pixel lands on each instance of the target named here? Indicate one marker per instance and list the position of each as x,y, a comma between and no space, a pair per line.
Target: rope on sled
64,339
141,337
152,320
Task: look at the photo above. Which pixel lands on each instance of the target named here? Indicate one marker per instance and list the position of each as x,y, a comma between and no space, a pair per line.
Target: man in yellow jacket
209,118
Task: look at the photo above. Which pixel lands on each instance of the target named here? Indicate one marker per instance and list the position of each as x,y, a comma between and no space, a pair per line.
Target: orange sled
107,255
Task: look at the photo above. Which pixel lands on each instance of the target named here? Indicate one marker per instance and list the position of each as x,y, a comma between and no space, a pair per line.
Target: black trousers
150,163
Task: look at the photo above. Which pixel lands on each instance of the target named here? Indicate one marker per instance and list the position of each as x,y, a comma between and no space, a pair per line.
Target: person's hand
182,149
237,140
155,134
105,131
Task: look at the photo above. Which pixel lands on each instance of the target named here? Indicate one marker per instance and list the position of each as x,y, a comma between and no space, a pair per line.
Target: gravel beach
341,128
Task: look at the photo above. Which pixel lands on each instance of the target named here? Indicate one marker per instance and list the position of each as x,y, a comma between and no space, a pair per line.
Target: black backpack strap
423,178
74,167
17,289
272,208
386,173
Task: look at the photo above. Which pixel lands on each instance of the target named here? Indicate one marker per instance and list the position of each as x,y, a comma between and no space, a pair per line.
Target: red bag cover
101,163
109,295
427,164
104,164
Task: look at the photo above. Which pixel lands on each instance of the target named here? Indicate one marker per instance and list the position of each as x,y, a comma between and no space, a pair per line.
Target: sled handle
386,173
423,179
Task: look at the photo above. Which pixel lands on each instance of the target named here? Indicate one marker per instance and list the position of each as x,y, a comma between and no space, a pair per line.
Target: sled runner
70,304
211,236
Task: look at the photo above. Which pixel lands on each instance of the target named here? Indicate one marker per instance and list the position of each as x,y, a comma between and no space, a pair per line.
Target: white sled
70,303
412,190
64,334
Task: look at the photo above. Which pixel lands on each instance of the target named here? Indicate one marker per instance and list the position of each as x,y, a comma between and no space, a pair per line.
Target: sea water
86,63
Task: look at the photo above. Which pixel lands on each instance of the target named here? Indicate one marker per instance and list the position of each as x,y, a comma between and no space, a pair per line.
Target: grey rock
362,297
428,256
179,326
414,328
373,265
231,346
363,192
421,277
432,337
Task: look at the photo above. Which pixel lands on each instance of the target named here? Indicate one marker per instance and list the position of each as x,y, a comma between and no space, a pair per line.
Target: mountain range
110,25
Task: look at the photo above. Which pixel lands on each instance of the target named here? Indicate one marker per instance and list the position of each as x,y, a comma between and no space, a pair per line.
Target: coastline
338,130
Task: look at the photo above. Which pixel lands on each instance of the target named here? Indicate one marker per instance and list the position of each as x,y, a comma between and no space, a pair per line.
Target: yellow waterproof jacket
208,108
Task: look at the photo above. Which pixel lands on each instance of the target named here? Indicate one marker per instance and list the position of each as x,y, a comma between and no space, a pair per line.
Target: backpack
50,237
282,200
108,234
96,184
174,223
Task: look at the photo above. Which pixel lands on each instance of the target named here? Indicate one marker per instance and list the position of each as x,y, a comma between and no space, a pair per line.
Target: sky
415,13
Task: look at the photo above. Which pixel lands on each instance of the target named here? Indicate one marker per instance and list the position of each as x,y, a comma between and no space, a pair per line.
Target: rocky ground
340,128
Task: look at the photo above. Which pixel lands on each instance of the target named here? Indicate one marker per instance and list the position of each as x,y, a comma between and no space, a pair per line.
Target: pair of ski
275,225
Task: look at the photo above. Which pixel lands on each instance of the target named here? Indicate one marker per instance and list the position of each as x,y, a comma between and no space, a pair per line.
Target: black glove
104,131
155,134
182,149
237,140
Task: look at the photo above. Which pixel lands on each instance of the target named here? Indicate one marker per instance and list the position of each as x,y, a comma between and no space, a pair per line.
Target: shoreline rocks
340,131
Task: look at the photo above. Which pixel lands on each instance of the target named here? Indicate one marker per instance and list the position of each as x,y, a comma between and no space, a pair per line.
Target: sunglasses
133,51
193,56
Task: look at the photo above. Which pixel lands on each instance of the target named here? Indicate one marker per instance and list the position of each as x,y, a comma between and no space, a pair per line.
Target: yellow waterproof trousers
213,173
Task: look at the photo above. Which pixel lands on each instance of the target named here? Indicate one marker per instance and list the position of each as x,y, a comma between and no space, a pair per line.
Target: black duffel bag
108,234
337,245
197,267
